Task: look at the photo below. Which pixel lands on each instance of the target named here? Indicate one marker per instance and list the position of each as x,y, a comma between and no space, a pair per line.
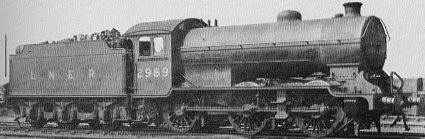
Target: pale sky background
34,21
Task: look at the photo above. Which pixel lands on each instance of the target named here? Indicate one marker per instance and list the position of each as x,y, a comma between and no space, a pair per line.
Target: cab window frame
145,41
152,44
161,43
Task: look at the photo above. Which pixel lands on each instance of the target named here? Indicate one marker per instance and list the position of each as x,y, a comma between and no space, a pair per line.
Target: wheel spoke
190,118
324,123
171,115
244,124
255,125
174,118
178,122
242,120
185,121
309,122
181,122
318,126
251,124
256,118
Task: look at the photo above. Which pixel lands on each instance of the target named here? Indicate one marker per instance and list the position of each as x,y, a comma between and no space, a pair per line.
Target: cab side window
144,46
158,44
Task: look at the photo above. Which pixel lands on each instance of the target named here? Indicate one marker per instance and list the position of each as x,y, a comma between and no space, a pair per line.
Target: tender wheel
177,119
111,126
110,115
323,123
94,125
248,123
137,126
72,125
38,124
36,117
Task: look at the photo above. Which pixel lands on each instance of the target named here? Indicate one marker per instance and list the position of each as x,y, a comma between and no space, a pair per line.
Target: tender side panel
93,75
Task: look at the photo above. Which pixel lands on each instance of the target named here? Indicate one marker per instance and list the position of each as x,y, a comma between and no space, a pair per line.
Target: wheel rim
177,118
323,123
247,124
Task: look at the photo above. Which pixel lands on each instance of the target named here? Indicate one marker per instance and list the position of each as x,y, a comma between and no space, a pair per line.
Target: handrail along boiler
323,76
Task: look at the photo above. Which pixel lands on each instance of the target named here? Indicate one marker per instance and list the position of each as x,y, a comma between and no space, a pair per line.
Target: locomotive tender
322,75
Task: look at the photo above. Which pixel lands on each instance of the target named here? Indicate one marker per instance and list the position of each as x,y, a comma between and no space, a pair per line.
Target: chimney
352,9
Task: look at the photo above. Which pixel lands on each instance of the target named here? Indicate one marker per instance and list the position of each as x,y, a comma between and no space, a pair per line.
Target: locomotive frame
186,75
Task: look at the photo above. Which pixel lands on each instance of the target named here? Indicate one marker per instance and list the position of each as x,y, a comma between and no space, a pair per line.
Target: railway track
51,130
414,121
13,129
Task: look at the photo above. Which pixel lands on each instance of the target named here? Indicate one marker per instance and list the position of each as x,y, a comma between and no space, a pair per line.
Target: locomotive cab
156,54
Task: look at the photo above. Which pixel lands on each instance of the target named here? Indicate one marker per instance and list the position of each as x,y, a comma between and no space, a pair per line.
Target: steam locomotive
322,76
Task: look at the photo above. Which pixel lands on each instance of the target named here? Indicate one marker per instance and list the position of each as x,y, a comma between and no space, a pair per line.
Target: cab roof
166,26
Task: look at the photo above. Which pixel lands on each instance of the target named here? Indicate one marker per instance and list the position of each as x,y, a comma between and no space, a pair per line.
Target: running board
264,109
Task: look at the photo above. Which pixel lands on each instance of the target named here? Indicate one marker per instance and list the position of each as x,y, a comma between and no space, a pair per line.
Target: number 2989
152,72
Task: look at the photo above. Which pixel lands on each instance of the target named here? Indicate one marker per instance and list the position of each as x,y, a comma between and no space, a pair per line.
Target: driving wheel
175,116
324,122
247,123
